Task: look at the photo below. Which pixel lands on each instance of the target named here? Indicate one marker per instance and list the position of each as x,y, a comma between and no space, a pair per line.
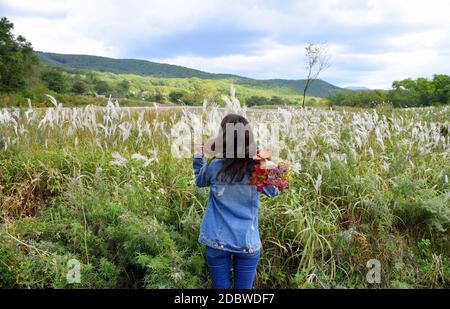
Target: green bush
79,87
177,95
102,87
54,80
371,98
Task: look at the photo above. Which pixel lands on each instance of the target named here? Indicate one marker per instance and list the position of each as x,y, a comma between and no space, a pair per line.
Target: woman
230,223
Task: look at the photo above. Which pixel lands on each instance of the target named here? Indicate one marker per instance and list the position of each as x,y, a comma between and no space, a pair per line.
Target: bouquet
267,173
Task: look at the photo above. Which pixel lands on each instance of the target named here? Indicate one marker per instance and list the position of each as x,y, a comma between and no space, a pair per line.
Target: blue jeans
219,268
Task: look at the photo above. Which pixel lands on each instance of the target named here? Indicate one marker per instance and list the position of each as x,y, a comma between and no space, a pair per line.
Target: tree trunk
304,93
304,97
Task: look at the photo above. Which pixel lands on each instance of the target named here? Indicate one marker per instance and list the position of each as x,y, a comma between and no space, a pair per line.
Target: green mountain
76,63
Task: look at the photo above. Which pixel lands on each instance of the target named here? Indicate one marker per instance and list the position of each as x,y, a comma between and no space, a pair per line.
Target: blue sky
370,42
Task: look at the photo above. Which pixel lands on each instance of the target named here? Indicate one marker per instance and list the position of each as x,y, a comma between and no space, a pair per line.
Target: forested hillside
147,68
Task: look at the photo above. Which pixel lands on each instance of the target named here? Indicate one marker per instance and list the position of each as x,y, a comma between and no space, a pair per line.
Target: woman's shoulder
214,166
216,162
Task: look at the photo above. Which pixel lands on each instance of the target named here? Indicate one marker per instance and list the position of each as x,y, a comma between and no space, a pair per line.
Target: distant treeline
405,93
274,100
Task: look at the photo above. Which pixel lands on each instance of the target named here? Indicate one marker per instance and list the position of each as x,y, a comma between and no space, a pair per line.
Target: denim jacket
230,221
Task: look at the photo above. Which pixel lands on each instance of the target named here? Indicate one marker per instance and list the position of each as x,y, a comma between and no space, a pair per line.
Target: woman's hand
262,154
198,150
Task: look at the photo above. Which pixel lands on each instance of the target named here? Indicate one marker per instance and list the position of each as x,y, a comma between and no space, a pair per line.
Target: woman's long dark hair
241,162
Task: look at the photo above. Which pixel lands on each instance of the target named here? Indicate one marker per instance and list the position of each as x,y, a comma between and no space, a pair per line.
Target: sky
370,42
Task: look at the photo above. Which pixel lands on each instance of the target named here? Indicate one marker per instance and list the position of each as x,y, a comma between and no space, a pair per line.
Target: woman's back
230,223
231,217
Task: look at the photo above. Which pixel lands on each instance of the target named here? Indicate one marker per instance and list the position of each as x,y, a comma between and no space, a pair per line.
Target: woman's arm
270,191
200,167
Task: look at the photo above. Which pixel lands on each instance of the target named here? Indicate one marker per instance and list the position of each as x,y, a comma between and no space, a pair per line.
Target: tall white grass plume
119,160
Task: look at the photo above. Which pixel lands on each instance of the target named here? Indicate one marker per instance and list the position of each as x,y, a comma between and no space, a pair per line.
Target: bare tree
317,60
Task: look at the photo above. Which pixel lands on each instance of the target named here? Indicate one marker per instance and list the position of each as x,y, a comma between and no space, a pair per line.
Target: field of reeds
98,190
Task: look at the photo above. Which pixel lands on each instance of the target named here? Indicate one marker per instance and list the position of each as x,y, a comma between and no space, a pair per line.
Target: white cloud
373,42
268,61
101,27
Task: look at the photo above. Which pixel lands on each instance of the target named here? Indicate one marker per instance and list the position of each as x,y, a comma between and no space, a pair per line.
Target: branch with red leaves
267,173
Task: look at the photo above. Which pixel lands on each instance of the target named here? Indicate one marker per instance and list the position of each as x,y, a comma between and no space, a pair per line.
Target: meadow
100,185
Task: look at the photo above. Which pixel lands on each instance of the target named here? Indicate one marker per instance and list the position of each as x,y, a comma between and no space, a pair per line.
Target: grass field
101,187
